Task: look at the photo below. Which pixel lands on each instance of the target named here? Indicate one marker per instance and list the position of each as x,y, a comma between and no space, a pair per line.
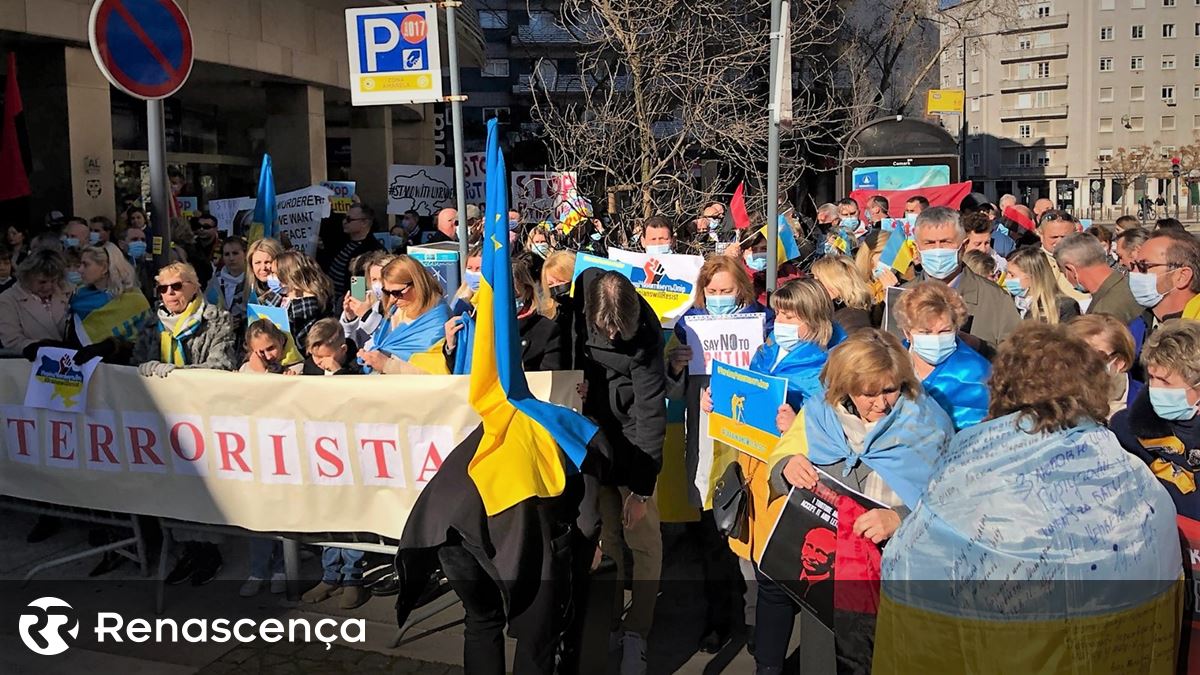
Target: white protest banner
542,195
298,215
475,172
264,452
667,282
423,189
728,338
226,210
56,382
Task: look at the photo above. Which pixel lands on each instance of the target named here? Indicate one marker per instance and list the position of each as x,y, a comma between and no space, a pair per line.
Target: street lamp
962,135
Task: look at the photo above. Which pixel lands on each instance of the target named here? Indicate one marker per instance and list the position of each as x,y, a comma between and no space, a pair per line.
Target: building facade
1053,95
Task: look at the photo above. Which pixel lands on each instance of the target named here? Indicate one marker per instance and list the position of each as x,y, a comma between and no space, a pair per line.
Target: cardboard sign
732,339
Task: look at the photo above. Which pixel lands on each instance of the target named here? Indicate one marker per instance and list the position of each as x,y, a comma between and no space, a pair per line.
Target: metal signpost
395,58
144,48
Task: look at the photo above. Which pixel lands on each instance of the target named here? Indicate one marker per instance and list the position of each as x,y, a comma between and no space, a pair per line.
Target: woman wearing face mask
722,288
470,284
537,249
108,308
875,431
1112,340
415,319
753,254
930,314
361,318
227,289
1031,282
555,301
853,300
866,261
264,287
309,294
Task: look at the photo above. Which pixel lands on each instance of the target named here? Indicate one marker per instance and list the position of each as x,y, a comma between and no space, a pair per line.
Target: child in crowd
361,317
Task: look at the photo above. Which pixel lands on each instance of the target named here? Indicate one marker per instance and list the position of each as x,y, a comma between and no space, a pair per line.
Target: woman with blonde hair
415,318
1035,290
1113,341
875,431
308,292
264,287
108,308
853,299
931,314
880,277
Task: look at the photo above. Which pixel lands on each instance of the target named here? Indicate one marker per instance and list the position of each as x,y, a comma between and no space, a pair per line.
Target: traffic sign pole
160,187
460,180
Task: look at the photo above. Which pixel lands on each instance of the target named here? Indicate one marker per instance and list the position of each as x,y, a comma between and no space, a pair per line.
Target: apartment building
1054,92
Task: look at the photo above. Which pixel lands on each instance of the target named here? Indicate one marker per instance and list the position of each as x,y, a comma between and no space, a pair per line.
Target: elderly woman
1041,491
1030,280
876,432
852,297
186,332
108,309
931,314
416,319
34,312
1112,340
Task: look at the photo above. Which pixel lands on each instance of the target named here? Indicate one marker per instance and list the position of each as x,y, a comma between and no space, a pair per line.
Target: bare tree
668,86
1128,165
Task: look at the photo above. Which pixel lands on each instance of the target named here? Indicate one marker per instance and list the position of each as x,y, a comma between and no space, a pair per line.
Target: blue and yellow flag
525,441
264,204
787,248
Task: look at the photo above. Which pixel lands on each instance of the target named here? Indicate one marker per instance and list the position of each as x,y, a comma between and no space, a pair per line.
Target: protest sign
815,556
667,282
744,407
542,195
226,211
267,453
424,189
343,194
298,215
441,259
475,176
731,338
890,297
187,207
56,382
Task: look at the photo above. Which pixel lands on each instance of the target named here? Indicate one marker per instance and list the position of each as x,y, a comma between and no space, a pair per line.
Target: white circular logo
43,623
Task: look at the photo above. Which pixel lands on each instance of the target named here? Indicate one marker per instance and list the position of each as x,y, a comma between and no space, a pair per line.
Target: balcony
1018,114
548,35
1039,142
1058,51
1037,23
1033,83
1050,171
563,84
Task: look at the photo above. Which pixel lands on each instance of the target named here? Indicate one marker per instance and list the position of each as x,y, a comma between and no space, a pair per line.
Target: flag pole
160,188
773,153
456,99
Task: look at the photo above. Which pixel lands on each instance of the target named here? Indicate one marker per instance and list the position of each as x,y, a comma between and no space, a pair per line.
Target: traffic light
1175,167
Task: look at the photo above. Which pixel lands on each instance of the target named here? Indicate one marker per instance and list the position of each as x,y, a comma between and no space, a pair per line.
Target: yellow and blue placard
744,407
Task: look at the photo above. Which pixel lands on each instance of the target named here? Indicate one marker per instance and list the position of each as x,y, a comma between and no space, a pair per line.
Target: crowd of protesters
1008,316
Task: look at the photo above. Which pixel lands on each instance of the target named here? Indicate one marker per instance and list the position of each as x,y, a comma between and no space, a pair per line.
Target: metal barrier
105,518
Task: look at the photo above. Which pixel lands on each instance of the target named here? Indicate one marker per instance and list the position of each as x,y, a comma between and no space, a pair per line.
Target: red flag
737,208
14,174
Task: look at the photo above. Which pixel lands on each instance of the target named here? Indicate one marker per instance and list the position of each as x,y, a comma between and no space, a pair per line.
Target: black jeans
853,634
774,620
483,634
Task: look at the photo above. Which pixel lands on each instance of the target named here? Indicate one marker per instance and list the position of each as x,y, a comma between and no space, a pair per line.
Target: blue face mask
933,349
879,271
74,277
93,238
850,223
137,250
472,279
911,219
939,263
658,249
1144,286
1002,229
70,242
1171,403
757,261
513,224
274,284
596,236
1015,288
787,336
720,304
541,249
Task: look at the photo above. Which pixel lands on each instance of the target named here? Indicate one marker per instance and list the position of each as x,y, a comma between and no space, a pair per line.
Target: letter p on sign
373,29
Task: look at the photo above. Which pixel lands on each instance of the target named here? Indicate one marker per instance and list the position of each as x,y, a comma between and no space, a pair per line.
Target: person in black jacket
621,357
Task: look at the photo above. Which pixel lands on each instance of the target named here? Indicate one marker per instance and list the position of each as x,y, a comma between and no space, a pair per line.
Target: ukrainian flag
263,225
528,446
898,253
787,248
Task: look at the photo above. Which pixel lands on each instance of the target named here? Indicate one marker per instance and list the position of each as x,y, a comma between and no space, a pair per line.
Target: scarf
173,328
418,335
225,289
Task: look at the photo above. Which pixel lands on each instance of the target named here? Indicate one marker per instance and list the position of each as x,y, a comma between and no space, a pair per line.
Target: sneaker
633,654
714,641
353,597
251,588
278,583
321,592
184,567
208,564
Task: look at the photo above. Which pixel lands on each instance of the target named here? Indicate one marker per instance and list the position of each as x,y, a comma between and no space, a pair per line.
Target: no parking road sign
144,47
395,55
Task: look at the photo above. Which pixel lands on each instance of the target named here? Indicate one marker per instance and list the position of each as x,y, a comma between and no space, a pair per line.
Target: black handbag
731,501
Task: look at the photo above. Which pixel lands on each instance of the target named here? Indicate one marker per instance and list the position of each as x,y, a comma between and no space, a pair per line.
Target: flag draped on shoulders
959,385
525,441
412,339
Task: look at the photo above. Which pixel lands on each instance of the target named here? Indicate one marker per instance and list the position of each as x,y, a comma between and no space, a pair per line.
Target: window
1137,63
495,68
1196,121
1106,64
1023,158
1166,151
1104,154
493,19
1106,125
1043,69
1041,99
1168,30
975,104
1168,93
1024,42
1137,124
1196,60
1137,4
1168,62
1168,3
1107,4
1042,40
1106,33
1024,131
1024,101
499,113
1042,11
1196,29
1167,123
974,159
1137,93
1043,159
958,79
1024,71
1137,32
1196,91
975,76
1106,94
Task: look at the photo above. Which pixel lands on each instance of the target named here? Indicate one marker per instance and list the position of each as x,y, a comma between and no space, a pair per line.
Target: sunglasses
397,293
177,287
1144,267
203,226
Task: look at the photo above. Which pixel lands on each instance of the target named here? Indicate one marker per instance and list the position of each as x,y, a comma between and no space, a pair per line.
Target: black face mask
561,293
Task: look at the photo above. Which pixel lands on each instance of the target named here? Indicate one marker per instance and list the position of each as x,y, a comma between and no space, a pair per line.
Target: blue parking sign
394,55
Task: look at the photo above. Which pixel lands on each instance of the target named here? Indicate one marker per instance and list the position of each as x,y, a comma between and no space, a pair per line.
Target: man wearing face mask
75,234
877,209
657,238
1084,264
1165,279
848,217
1161,427
939,236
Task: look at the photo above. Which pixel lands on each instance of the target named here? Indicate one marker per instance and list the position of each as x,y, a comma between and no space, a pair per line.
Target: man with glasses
1165,279
206,252
360,219
1052,227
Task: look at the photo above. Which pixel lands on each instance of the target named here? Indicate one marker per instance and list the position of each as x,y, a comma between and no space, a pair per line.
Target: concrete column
296,135
371,152
90,128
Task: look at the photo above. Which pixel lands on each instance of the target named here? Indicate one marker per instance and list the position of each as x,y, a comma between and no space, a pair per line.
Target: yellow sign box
944,100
